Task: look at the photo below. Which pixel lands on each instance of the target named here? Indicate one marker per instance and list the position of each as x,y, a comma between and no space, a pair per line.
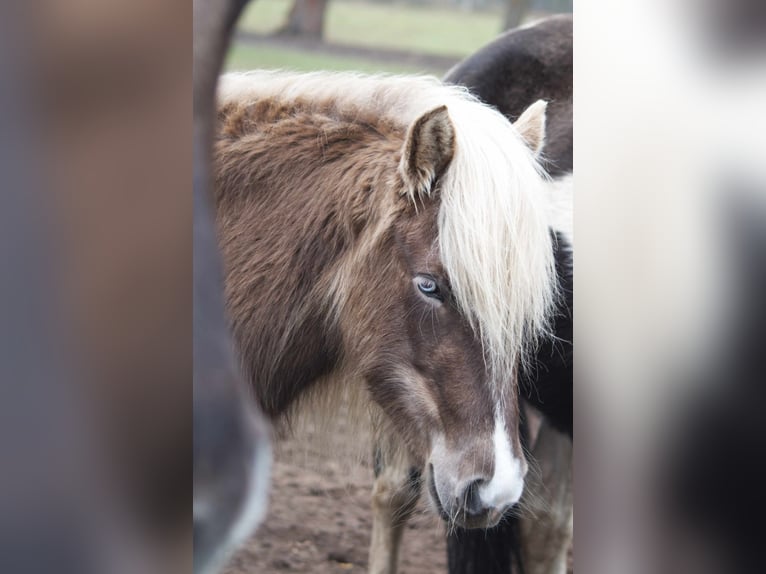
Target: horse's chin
462,519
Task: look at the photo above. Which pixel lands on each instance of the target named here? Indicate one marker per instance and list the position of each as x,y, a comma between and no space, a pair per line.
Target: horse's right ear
428,150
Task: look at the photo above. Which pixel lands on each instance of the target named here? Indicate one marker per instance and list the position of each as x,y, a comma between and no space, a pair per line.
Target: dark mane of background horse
520,67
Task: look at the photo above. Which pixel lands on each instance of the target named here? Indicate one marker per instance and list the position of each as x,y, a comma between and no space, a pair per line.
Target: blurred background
427,36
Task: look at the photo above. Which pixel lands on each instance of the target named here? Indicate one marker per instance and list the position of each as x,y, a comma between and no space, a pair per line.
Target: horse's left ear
531,125
428,150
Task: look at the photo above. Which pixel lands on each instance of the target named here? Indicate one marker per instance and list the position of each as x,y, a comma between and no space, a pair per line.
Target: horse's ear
531,125
428,150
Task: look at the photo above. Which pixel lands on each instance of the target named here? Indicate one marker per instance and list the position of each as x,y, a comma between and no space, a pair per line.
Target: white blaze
507,482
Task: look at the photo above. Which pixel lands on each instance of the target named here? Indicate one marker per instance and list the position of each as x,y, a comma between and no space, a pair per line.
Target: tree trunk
306,18
515,11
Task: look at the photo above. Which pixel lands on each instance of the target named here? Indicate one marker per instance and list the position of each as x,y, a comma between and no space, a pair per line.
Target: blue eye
428,286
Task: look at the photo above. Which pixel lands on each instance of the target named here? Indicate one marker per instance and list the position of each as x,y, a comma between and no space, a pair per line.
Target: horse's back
524,65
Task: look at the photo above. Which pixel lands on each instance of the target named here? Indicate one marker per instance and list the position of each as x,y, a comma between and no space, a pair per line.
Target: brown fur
321,241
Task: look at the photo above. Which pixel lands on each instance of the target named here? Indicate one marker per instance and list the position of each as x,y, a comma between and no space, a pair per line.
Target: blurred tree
306,18
515,11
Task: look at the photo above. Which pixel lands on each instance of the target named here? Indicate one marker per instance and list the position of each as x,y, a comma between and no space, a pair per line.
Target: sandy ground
319,516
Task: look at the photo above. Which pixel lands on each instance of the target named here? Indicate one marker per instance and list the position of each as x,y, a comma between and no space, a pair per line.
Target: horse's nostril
470,499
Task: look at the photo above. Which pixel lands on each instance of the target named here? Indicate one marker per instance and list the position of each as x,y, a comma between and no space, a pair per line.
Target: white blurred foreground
670,212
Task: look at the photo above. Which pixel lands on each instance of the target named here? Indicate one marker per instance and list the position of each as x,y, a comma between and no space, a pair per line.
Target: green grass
248,57
427,29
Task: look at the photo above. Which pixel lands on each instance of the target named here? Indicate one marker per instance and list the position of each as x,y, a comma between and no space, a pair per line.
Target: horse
387,239
520,67
230,440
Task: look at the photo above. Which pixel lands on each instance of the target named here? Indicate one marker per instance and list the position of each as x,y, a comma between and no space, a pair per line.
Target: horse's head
458,283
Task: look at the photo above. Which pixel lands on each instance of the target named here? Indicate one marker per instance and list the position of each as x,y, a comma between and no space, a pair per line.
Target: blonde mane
494,232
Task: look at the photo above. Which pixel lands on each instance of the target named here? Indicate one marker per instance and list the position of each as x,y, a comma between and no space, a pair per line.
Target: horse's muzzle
466,509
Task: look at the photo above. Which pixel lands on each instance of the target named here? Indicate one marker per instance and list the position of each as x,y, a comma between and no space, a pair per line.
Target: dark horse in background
521,67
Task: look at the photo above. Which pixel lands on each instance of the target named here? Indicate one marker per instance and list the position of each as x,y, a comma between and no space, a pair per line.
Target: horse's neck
283,245
283,319
295,199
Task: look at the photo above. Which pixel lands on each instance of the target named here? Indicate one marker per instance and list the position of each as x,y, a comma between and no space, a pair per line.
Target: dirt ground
319,516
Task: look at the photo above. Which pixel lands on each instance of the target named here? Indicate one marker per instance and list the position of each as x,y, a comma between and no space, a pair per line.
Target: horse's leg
394,496
547,522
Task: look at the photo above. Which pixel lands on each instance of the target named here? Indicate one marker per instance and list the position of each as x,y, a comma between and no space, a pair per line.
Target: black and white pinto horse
518,68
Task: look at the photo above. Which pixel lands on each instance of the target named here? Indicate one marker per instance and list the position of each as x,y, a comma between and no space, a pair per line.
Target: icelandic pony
230,442
386,238
520,67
